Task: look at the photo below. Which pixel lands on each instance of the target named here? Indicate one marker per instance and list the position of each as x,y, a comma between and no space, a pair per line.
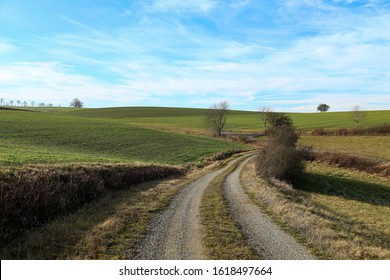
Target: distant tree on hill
216,117
357,115
1,101
323,108
11,102
76,103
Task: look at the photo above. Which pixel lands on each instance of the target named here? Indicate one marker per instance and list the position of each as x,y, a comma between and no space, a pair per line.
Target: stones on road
176,232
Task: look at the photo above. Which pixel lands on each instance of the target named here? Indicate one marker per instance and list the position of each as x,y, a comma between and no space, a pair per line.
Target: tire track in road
176,232
265,237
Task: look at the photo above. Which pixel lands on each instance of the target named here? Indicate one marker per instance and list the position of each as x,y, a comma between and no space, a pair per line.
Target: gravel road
266,238
175,233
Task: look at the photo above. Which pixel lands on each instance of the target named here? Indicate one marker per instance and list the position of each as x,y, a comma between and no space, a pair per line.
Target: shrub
280,158
34,196
373,130
350,161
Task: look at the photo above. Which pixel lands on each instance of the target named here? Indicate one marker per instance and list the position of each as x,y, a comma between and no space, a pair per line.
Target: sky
290,55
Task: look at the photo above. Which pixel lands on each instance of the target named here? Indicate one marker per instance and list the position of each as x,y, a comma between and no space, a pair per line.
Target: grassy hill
194,119
129,134
54,137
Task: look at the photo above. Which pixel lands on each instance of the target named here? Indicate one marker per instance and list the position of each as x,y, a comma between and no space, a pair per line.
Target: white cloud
198,6
5,47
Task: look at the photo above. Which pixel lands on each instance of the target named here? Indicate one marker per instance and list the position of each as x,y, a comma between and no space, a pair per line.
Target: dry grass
106,228
365,146
35,195
222,238
369,165
343,216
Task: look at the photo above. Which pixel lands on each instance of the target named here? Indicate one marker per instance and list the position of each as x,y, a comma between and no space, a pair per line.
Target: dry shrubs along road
339,218
379,167
34,196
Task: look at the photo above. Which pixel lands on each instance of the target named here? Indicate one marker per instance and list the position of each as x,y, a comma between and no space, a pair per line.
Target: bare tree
11,102
323,108
1,101
265,112
76,103
18,102
32,103
216,117
358,115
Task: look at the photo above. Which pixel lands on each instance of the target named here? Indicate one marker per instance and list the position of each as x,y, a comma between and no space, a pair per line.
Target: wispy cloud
5,46
195,6
292,54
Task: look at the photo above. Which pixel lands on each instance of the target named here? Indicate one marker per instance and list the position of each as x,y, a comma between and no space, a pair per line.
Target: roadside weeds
329,233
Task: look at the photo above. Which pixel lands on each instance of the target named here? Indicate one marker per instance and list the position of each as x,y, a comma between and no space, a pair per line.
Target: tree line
77,103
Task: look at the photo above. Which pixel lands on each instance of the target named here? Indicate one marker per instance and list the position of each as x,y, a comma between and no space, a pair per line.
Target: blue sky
290,55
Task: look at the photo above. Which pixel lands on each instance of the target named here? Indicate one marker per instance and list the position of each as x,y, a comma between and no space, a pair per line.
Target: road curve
266,238
175,233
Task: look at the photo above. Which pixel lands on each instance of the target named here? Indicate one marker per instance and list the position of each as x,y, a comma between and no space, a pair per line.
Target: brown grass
373,130
343,223
222,238
108,227
343,160
31,197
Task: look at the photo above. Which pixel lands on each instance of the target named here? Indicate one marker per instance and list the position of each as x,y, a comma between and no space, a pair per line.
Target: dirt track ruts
266,238
176,232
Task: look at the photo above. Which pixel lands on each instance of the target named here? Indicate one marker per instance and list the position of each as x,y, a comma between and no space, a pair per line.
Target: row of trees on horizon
19,103
75,103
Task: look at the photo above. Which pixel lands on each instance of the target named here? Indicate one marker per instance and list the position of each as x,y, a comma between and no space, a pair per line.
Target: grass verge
33,196
222,238
343,160
106,228
339,214
366,146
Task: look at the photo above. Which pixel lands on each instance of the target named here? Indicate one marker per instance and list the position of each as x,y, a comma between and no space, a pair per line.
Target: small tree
216,117
1,101
357,115
280,158
265,112
76,103
323,108
276,119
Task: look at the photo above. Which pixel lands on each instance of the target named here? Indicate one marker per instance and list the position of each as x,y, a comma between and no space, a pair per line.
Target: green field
53,137
194,119
129,134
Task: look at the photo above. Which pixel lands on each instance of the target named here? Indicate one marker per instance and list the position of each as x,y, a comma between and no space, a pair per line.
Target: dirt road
266,238
176,232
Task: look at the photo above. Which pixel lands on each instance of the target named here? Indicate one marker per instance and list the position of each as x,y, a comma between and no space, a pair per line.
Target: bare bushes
373,130
352,162
31,197
280,158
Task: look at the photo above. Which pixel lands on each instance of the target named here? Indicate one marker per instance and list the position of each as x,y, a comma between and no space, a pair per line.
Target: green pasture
129,134
54,137
194,119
